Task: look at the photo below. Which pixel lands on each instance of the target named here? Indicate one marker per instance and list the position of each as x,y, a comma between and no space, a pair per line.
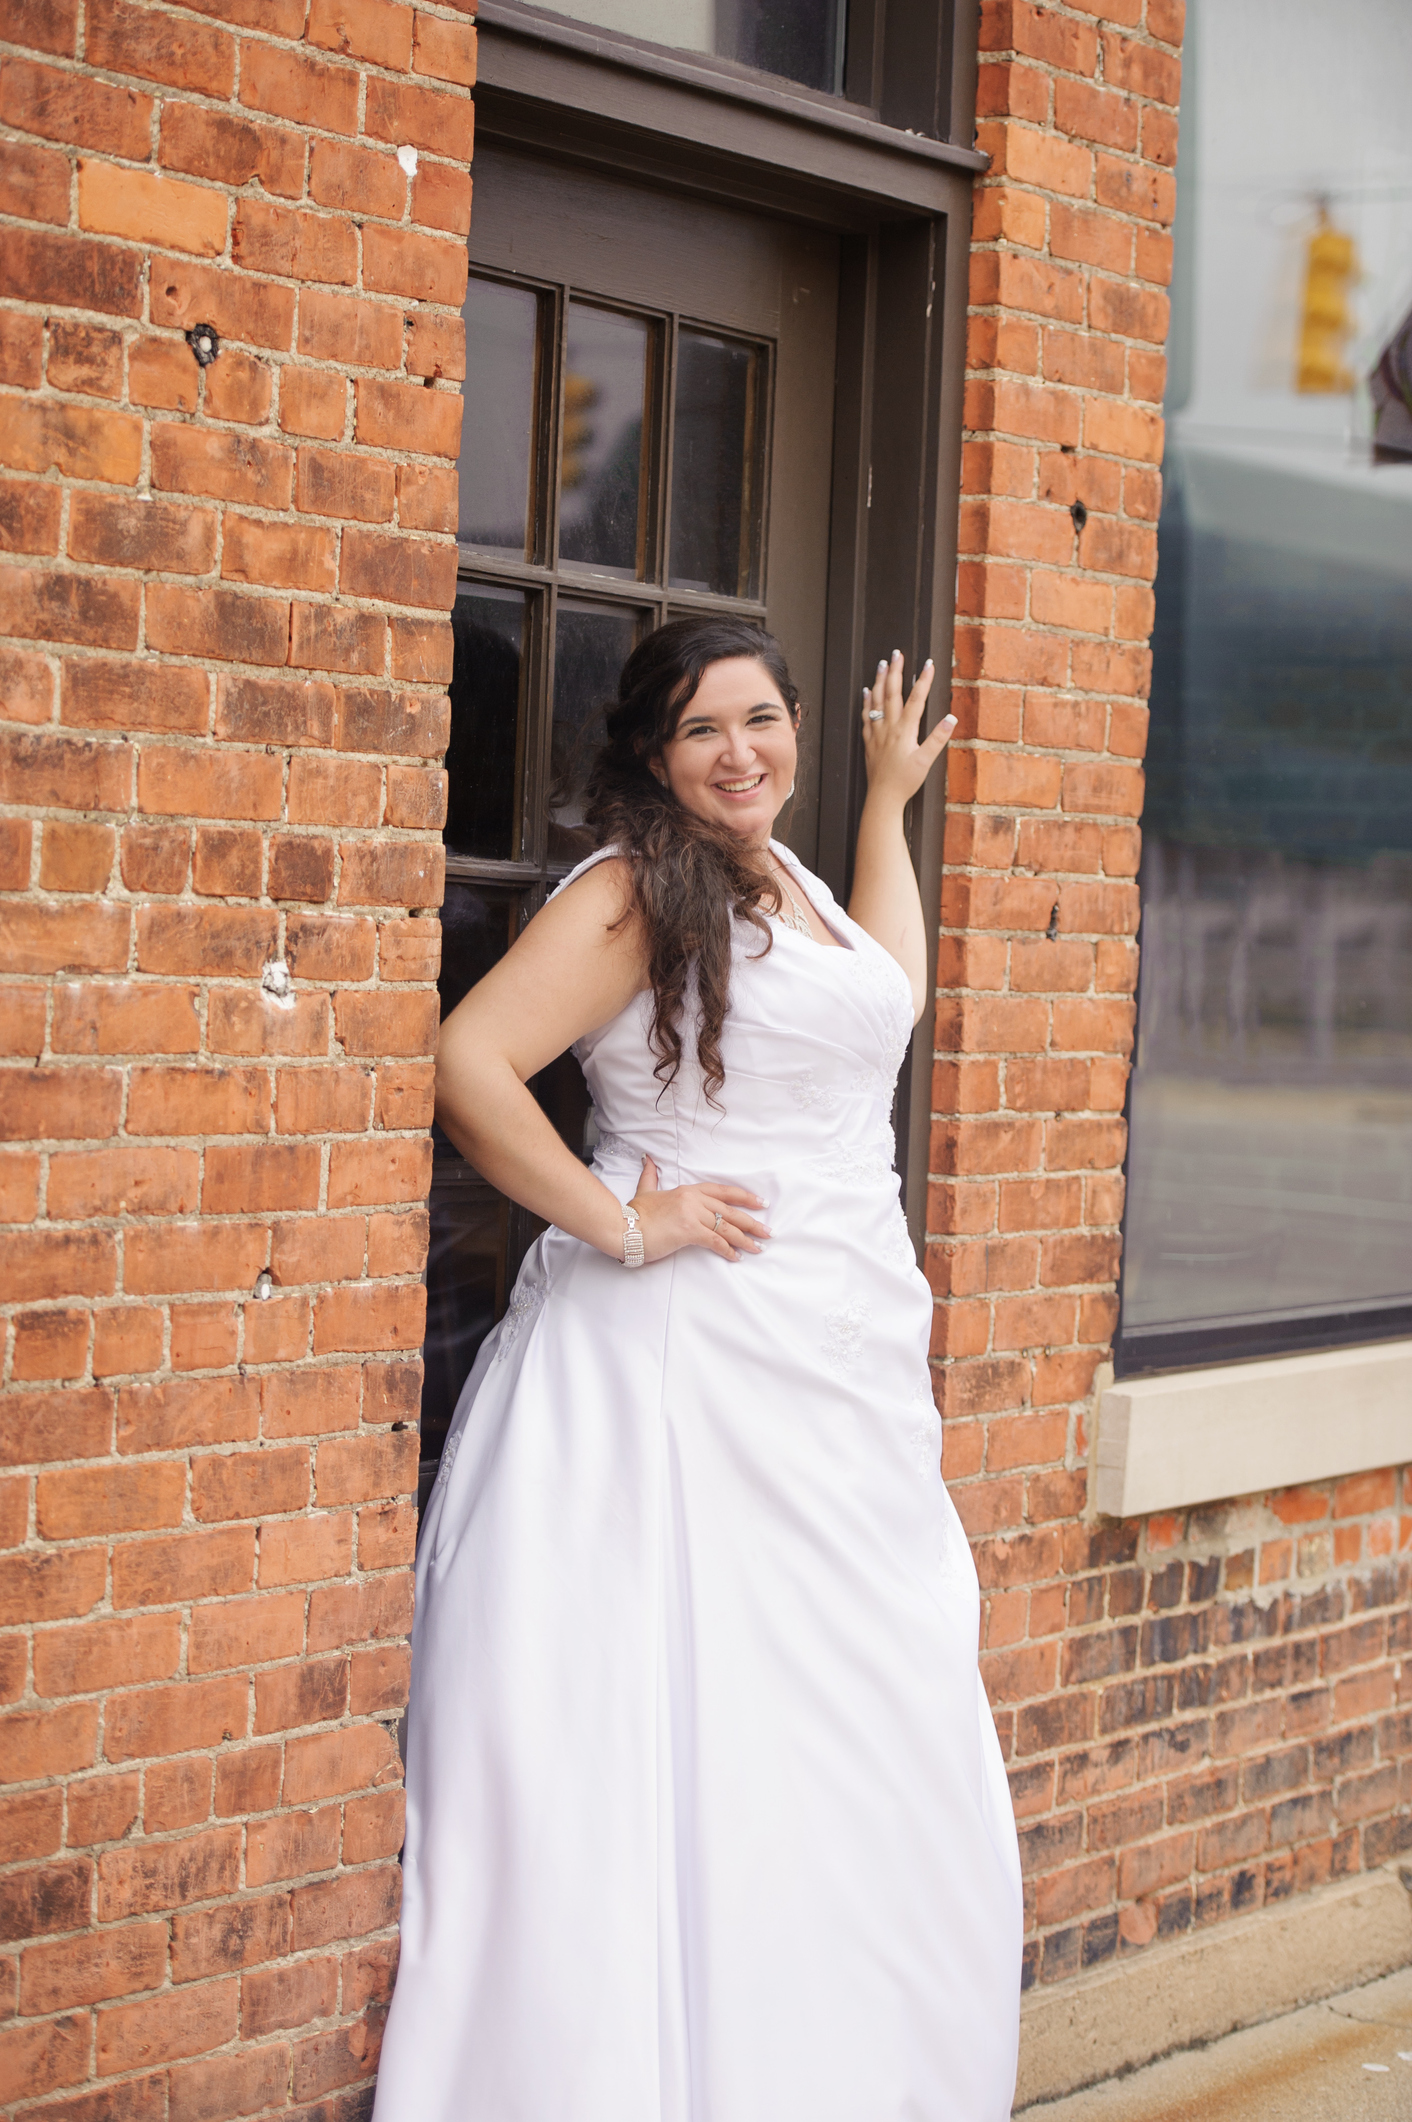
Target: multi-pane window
612,476
1270,1169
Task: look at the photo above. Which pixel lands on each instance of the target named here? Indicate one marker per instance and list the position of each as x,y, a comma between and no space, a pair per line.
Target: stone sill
1240,1429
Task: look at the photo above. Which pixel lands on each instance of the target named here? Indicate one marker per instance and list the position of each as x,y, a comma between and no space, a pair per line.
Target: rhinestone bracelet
633,1254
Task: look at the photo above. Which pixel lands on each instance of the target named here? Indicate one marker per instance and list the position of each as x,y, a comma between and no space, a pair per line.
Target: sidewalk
1346,2060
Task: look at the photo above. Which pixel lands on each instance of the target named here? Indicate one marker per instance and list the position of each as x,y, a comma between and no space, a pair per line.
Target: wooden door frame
901,202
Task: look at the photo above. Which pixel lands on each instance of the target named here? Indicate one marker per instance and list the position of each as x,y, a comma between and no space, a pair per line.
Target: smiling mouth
739,788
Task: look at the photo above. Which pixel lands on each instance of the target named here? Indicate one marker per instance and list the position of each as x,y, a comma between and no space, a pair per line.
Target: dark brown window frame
901,202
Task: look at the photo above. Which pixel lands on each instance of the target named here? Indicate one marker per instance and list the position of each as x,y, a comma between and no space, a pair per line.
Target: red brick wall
1206,1712
221,698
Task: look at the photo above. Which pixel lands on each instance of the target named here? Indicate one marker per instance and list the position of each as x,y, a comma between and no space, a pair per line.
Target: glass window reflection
488,644
1270,1170
601,470
714,481
799,39
497,447
592,643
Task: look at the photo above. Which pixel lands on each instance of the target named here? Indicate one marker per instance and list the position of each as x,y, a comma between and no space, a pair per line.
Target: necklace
795,917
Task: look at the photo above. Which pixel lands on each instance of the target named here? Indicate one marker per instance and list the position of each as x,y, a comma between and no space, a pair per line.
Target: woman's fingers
647,1181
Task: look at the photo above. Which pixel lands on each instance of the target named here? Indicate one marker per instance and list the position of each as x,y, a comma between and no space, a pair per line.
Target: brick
222,625
379,1681
239,387
338,483
125,1017
57,1264
247,1781
249,1484
176,1794
189,1257
228,467
27,684
169,1720
176,1413
387,1535
280,555
251,2081
318,1101
109,1499
283,1175
312,403
86,609
184,54
398,568
391,873
54,1742
295,243
22,337
76,858
346,1907
205,940
50,1897
315,1691
245,1021
117,532
357,180
32,1824
279,711
29,517
333,792
204,1336
148,208
436,345
163,372
49,1344
244,310
39,2056
324,637
441,198
228,862
306,1550
203,1565
374,719
360,1613
231,149
403,262
370,1315
276,1329
93,1656
421,649
69,271
301,867
366,1469
294,85
126,1340
330,1764
183,2022
75,109
51,1587
246,1632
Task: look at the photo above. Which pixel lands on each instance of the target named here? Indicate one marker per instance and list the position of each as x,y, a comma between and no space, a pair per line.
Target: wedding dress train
707,1819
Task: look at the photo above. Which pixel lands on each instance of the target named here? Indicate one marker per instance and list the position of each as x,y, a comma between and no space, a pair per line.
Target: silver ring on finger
720,1219
875,714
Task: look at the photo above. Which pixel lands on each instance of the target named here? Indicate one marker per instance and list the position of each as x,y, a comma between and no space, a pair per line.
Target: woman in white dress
707,1819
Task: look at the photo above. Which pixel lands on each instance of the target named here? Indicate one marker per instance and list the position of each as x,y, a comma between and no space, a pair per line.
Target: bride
707,1820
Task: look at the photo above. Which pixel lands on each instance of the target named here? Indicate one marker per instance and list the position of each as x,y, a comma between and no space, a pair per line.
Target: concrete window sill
1241,1428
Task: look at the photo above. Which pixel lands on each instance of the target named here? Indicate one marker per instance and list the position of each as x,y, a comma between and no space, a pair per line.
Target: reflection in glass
488,639
469,1220
497,438
800,39
601,472
592,643
1270,1169
714,490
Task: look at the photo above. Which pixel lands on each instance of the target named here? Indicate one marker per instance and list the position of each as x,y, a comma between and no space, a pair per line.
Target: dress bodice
812,1042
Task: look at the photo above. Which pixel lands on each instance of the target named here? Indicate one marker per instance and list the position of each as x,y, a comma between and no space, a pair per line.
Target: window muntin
800,40
1270,1166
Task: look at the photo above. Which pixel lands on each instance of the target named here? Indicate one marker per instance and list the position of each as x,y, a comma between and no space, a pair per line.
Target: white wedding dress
707,1819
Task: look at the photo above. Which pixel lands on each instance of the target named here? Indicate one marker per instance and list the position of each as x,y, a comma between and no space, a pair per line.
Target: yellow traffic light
580,397
1330,268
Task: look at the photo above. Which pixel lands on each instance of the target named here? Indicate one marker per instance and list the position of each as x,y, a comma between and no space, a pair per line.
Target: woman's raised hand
710,1214
897,764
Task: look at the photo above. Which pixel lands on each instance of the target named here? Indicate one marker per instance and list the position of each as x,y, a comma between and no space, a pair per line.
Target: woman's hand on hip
897,762
711,1214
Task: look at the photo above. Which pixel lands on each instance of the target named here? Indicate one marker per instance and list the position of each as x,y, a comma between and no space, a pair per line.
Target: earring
790,790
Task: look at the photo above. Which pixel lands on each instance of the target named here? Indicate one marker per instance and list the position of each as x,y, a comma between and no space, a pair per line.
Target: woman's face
733,753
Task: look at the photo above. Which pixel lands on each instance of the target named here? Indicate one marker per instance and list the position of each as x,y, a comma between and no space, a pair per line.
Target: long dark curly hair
690,880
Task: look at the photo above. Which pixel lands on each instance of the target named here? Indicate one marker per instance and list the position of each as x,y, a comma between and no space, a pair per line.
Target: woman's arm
574,968
885,900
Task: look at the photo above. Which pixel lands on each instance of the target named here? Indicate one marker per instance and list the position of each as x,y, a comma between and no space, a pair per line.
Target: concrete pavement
1346,2060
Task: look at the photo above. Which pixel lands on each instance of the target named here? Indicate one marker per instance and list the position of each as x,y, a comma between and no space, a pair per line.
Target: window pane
497,438
1270,1171
592,643
488,641
600,476
715,488
800,39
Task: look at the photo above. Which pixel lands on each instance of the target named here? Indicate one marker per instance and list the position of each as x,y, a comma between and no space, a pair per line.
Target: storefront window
1270,1166
800,39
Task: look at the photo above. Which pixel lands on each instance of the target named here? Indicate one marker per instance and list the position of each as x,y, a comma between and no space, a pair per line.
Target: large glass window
612,474
800,39
1270,1167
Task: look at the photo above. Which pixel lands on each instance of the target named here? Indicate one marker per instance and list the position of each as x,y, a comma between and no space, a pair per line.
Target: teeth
736,788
